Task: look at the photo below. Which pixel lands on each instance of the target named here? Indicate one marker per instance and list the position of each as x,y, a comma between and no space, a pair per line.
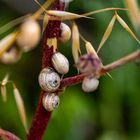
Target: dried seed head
75,42
65,33
90,84
60,63
11,56
49,80
29,35
89,63
50,101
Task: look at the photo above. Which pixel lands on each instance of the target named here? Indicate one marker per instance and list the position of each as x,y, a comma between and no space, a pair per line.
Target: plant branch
112,66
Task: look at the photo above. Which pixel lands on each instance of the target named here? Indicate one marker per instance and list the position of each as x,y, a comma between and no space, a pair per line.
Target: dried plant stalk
133,12
20,106
107,33
43,7
126,27
4,93
75,42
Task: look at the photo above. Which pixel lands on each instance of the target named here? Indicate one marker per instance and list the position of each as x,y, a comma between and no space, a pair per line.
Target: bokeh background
110,113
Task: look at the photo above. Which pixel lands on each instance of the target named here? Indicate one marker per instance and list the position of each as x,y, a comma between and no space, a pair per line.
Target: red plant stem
41,118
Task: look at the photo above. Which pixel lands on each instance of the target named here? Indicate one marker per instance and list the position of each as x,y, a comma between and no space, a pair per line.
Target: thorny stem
41,118
79,78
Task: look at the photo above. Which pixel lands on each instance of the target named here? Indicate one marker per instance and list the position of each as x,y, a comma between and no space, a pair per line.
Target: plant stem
131,57
116,64
41,118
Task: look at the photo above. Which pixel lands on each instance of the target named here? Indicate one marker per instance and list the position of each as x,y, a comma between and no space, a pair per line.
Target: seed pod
49,80
90,84
65,33
50,101
29,35
60,63
11,56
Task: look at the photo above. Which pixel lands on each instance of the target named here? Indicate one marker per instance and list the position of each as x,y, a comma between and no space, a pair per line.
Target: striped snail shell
60,63
49,80
50,101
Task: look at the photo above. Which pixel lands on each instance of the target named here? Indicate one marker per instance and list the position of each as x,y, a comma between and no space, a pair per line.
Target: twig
131,57
116,64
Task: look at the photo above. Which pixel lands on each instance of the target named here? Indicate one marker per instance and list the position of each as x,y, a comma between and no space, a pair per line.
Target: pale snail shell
29,35
49,80
50,101
60,63
65,33
11,56
90,84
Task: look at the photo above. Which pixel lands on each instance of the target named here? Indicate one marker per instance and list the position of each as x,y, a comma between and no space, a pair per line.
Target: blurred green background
110,113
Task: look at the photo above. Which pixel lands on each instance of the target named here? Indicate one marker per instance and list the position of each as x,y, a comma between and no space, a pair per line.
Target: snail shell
50,101
65,33
90,84
29,35
60,63
49,80
11,56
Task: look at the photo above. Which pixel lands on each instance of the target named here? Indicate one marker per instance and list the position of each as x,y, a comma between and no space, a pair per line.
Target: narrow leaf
75,42
126,27
20,106
12,23
107,33
43,8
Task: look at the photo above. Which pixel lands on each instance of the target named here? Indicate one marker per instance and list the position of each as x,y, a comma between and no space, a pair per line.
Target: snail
29,35
11,56
65,33
60,63
50,101
49,80
90,84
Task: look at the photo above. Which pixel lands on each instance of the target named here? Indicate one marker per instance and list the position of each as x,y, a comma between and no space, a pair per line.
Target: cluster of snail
49,80
27,39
